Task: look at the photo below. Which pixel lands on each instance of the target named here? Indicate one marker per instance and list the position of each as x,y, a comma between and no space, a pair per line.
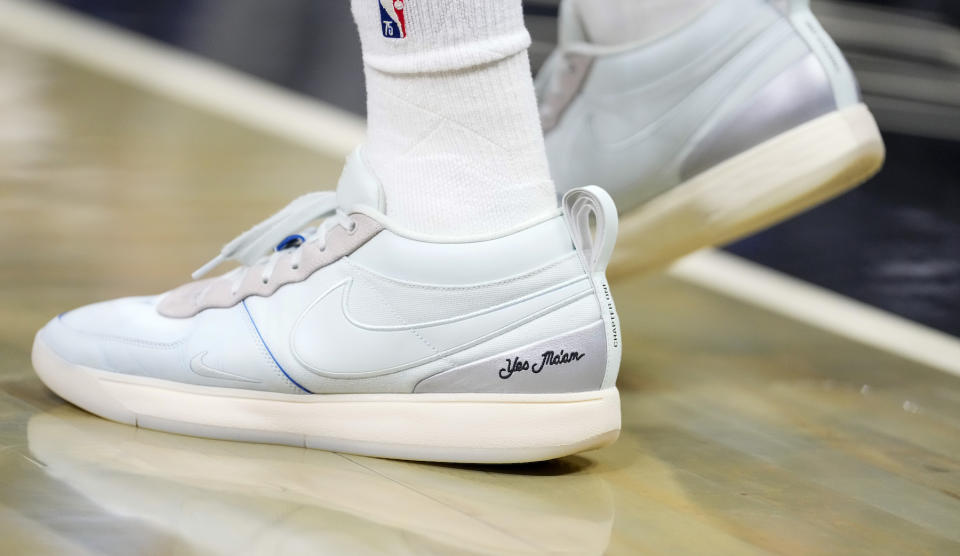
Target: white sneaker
740,119
361,337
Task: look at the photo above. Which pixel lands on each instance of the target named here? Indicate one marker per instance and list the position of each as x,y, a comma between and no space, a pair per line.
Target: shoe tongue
358,186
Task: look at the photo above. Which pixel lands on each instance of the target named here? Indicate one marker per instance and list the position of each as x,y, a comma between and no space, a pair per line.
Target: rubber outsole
766,184
462,428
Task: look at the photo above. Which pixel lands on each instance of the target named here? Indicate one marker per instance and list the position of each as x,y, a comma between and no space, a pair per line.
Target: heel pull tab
595,243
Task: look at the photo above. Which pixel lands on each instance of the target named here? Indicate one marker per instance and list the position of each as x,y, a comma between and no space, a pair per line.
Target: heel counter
592,220
574,348
799,93
611,328
800,77
569,362
846,91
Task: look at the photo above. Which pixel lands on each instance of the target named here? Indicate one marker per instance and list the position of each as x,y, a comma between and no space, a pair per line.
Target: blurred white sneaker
357,336
741,118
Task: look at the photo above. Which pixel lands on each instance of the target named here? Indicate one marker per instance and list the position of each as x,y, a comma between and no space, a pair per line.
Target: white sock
611,22
452,125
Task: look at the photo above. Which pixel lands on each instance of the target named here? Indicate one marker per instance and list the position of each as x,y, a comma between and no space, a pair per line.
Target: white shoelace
250,247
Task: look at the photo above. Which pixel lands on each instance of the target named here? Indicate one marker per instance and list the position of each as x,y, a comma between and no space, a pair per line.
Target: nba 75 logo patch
391,19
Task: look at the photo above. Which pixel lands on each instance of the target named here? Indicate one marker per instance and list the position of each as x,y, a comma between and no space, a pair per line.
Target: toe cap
110,334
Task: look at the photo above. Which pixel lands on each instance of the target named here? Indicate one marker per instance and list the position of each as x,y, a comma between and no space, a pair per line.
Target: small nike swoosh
328,342
199,367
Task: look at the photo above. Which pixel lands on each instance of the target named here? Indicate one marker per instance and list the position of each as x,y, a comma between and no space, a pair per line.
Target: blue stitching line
297,384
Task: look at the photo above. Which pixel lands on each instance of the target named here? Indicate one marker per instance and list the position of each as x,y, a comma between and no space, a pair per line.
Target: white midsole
757,188
443,427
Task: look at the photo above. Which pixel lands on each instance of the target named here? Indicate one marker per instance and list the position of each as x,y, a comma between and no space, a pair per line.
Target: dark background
893,243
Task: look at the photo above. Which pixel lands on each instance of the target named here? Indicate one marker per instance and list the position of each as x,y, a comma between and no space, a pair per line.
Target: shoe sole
779,178
463,428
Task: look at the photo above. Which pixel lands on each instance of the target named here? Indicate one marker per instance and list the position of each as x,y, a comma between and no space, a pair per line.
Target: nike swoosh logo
329,342
199,367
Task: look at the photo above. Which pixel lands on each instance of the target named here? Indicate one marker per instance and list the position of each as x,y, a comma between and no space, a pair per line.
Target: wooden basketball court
745,430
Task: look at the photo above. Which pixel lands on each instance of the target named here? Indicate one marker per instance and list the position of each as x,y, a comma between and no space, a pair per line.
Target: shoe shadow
569,465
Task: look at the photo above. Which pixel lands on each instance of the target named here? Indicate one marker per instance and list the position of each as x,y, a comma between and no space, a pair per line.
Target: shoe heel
808,27
778,178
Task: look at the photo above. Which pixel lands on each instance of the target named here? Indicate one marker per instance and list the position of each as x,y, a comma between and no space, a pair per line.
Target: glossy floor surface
744,432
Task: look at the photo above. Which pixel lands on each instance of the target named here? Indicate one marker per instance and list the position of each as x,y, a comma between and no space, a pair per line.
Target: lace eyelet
265,281
353,227
295,267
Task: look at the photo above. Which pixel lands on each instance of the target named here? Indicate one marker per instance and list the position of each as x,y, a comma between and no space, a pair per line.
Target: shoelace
274,233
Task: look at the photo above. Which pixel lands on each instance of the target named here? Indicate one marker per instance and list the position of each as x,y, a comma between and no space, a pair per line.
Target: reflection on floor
743,432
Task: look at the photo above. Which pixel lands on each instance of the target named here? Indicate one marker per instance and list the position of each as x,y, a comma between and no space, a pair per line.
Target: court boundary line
808,303
211,87
176,74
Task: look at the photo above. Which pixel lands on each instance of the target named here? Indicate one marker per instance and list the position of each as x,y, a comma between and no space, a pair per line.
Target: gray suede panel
189,299
572,362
